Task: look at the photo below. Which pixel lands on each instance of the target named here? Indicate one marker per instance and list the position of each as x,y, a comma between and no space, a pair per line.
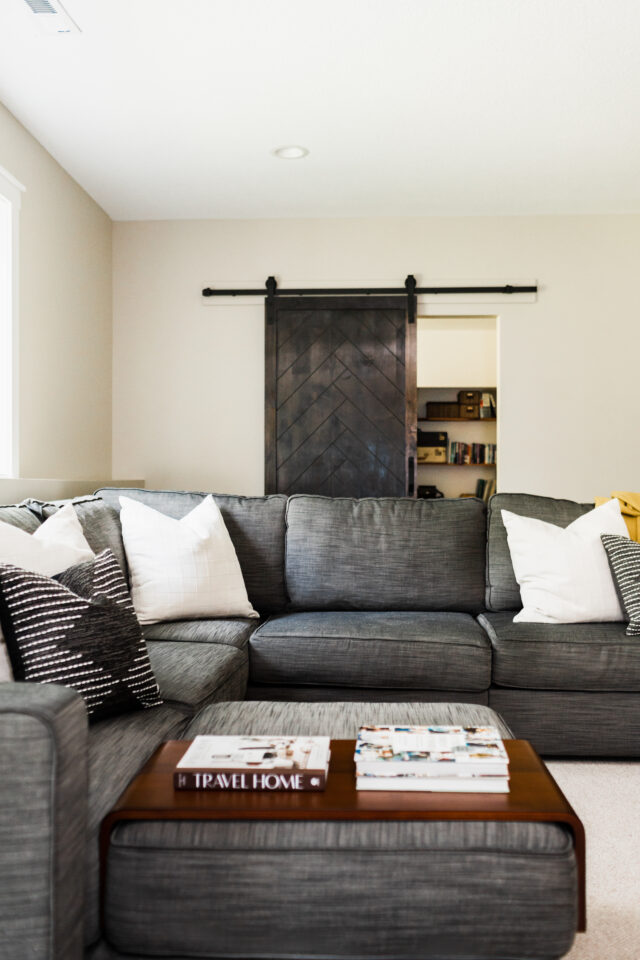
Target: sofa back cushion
503,592
256,528
385,554
20,515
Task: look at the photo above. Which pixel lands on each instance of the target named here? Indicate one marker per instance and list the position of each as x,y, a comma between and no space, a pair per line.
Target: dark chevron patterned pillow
78,629
624,559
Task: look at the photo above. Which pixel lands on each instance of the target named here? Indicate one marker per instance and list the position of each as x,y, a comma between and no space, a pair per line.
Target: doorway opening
458,405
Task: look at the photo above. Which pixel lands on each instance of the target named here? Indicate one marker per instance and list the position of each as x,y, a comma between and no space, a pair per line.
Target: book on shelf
431,759
487,406
489,490
254,763
482,454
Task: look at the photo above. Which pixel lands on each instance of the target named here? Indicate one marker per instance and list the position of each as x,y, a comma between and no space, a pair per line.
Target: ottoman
464,890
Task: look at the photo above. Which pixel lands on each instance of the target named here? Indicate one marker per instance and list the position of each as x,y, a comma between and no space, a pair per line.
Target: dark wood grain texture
533,796
340,396
269,398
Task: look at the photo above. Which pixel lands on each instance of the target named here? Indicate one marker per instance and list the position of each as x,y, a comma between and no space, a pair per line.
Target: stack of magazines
431,758
254,763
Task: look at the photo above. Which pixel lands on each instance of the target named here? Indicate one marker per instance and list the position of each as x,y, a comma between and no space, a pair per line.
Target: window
10,194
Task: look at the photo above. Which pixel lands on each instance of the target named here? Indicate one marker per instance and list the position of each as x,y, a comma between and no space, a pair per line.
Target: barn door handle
412,477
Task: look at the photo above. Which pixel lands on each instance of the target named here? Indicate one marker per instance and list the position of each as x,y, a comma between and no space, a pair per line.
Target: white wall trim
12,190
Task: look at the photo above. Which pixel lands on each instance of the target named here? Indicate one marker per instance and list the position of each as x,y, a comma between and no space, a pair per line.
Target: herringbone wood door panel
337,398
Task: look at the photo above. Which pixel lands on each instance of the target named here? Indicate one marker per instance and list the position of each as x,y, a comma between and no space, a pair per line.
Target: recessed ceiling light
290,153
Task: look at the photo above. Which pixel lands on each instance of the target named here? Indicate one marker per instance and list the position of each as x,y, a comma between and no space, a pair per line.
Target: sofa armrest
43,817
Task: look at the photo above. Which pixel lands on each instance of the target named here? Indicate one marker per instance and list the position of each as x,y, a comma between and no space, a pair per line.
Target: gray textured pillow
624,559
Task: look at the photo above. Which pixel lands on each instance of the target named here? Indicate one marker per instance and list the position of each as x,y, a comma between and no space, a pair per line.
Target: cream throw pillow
563,573
182,569
58,543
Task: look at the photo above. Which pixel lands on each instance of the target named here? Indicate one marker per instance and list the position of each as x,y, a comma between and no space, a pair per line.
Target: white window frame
10,193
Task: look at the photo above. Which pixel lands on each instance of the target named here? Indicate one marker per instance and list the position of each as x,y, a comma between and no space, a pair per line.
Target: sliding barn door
340,396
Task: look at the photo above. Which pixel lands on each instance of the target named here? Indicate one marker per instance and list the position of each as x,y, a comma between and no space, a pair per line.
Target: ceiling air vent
52,17
40,6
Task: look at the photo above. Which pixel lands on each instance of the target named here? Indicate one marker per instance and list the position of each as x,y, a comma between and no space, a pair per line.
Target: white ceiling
409,107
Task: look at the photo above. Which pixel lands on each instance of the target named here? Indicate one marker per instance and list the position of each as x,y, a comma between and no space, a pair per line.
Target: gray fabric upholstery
20,516
476,890
234,633
255,525
117,749
100,523
385,554
311,694
562,656
337,720
437,651
219,897
43,815
235,686
503,592
571,724
190,674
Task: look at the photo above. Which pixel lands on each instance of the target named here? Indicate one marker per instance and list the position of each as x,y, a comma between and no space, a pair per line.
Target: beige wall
65,317
457,351
188,375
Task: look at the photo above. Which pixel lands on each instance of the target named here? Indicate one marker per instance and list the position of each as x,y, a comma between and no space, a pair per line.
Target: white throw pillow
563,573
58,543
182,569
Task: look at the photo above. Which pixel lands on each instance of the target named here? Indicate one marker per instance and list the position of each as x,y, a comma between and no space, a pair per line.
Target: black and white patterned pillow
78,629
624,559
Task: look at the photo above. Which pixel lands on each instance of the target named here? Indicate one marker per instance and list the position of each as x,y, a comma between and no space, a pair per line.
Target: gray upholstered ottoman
186,889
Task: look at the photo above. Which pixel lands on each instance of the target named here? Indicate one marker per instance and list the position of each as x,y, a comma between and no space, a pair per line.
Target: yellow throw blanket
630,509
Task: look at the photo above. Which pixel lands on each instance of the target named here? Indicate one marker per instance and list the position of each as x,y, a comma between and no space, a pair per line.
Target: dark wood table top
533,796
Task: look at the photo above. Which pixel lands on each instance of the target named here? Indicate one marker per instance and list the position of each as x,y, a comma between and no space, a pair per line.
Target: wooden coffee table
534,796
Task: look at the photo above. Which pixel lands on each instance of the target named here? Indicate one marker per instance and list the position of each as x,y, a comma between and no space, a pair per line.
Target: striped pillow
624,559
78,629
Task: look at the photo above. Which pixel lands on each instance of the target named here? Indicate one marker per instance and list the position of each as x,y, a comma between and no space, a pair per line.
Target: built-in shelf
459,430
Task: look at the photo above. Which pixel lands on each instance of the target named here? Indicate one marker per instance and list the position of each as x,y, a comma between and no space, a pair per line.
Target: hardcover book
434,784
438,752
254,763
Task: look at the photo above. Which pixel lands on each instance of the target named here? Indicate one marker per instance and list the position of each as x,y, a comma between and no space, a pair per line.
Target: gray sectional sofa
364,601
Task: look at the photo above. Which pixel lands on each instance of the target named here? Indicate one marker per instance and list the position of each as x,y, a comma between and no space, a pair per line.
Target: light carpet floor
606,797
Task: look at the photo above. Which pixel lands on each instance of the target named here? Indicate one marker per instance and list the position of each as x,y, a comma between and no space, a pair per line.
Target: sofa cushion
78,629
235,633
307,694
118,747
623,555
53,546
562,656
503,592
255,525
182,569
99,521
385,554
21,516
338,720
365,649
190,674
